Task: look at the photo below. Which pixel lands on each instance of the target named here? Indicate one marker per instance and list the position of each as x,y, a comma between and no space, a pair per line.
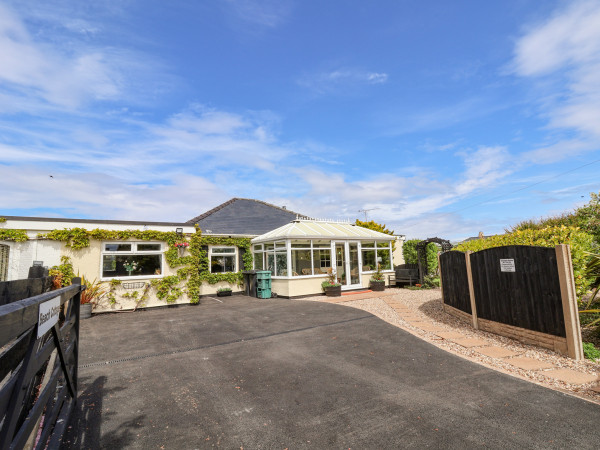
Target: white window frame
234,254
134,251
389,247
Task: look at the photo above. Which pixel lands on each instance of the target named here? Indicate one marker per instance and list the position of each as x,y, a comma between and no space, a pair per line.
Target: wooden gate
39,343
4,254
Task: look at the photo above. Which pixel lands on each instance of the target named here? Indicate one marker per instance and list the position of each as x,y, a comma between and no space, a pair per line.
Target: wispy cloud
60,73
264,13
330,81
562,54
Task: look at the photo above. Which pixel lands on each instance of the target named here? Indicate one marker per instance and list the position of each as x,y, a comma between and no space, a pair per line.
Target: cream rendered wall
397,255
87,262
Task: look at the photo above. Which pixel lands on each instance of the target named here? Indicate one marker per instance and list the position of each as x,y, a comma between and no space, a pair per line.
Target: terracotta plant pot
333,291
377,285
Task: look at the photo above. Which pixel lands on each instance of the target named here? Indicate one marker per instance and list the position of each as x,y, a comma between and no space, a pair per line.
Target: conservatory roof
315,229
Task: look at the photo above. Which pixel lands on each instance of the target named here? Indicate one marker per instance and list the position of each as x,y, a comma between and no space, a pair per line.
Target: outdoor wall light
179,231
38,263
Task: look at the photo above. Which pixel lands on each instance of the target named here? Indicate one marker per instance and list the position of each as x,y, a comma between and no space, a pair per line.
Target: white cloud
332,80
100,195
564,53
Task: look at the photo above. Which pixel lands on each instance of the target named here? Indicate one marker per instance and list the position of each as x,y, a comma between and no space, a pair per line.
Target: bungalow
146,264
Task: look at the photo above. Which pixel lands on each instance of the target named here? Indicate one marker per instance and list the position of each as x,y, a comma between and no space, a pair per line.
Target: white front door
346,264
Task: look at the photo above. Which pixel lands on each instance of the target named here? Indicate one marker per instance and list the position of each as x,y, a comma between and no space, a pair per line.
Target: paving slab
470,342
571,376
526,363
497,352
431,328
450,335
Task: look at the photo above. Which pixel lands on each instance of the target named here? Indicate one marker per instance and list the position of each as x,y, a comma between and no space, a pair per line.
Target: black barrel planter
333,291
377,285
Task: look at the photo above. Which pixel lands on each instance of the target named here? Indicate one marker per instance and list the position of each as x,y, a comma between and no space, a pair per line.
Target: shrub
580,242
431,281
590,351
409,251
586,217
63,273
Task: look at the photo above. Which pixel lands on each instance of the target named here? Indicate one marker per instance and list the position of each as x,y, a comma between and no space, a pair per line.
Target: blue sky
441,118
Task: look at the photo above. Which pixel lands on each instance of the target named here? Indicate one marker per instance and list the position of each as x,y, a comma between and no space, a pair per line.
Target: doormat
357,292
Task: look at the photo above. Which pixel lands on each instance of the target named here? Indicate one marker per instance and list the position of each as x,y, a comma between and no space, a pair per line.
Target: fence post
76,307
569,301
471,289
440,272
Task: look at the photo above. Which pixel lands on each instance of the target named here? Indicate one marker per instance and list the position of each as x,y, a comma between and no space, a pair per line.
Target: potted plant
224,292
377,280
331,286
181,246
92,294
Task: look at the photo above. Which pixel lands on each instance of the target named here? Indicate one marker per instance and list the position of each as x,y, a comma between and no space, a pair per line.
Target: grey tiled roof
243,216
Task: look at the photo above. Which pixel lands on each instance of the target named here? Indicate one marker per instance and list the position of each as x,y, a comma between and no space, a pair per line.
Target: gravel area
427,304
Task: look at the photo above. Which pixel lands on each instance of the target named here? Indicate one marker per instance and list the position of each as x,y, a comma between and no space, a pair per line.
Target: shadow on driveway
278,373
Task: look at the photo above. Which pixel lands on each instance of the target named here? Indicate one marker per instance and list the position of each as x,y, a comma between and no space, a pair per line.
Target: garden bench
407,273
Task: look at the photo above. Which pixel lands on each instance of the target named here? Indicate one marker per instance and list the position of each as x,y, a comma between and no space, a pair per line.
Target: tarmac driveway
250,373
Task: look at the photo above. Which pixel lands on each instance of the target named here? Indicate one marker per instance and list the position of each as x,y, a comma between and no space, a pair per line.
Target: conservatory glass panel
301,263
368,260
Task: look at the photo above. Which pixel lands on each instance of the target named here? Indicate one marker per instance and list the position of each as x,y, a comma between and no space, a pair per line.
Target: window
131,259
374,253
222,259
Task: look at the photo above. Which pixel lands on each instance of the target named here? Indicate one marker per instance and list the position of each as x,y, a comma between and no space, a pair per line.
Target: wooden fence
11,291
39,351
523,292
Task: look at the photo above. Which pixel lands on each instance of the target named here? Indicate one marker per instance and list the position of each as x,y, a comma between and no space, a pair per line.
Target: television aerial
366,211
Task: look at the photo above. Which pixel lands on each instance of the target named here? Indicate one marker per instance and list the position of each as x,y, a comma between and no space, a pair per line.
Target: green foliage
78,238
590,351
13,235
167,288
2,219
409,251
378,275
579,241
586,217
94,291
63,273
331,280
224,289
431,281
372,225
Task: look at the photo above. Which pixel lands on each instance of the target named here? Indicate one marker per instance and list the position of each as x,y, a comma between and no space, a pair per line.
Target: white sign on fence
48,315
507,265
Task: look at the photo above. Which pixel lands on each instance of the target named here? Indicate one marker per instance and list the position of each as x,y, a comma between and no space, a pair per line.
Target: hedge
579,241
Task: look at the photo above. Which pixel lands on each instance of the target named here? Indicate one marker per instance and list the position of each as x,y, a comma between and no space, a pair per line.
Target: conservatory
301,254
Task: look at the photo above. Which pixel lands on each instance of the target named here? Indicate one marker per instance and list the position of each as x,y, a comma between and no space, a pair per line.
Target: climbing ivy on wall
193,269
13,235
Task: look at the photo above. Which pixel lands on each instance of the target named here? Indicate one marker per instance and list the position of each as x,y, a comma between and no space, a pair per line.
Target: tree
372,225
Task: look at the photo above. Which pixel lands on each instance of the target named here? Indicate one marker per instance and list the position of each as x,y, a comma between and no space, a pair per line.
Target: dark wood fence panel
38,374
528,297
455,285
11,291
